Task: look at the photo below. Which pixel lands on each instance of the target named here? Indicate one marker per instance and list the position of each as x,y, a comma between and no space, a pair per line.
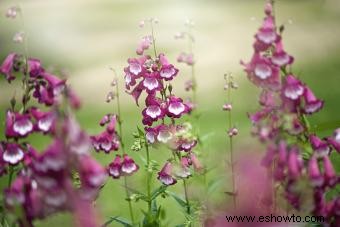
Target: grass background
87,37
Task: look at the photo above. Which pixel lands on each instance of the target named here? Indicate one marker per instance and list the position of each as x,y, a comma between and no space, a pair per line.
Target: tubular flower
165,175
7,67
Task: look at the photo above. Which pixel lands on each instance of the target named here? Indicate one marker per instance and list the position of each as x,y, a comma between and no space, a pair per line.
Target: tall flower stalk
232,131
297,159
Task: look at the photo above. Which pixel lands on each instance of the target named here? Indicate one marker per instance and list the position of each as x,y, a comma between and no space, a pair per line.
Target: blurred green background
86,37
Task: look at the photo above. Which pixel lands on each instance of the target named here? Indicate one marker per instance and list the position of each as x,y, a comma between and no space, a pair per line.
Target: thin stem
10,178
148,179
186,195
25,79
231,149
153,39
120,122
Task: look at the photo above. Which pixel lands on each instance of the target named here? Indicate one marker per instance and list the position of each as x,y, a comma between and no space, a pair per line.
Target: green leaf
158,191
178,199
118,219
140,132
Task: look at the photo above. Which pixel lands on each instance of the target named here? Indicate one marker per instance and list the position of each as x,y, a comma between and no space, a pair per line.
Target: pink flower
198,167
319,146
12,153
18,125
294,164
128,165
105,142
267,33
314,172
45,121
165,175
335,140
312,104
35,69
330,175
186,144
92,174
176,107
183,171
7,67
144,44
114,168
280,57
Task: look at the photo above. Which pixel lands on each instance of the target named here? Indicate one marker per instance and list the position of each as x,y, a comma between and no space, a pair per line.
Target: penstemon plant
297,159
154,76
62,177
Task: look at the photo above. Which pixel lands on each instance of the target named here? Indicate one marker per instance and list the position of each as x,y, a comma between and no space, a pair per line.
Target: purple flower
280,57
45,121
267,33
105,142
92,174
198,167
176,107
12,153
144,44
294,164
186,144
314,172
321,147
330,175
18,125
312,104
293,88
262,72
114,168
35,68
165,175
55,84
128,165
335,140
168,72
184,171
7,67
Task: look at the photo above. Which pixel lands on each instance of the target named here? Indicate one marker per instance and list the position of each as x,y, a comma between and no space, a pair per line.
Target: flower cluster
282,123
108,140
43,181
153,76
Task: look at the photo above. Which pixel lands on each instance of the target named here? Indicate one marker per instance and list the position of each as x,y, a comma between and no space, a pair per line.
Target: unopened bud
234,85
227,107
233,132
19,37
114,82
12,12
110,96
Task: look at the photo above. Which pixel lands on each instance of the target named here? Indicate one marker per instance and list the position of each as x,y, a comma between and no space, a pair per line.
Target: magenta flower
186,144
92,174
314,172
330,175
312,104
335,140
105,142
114,168
321,147
294,164
18,125
262,72
267,35
176,108
144,44
7,67
35,68
165,175
293,88
183,171
55,84
12,153
196,163
45,121
128,165
280,58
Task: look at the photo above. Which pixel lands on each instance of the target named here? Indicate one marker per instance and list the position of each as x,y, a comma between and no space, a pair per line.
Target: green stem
148,179
153,39
231,148
10,178
186,196
120,122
